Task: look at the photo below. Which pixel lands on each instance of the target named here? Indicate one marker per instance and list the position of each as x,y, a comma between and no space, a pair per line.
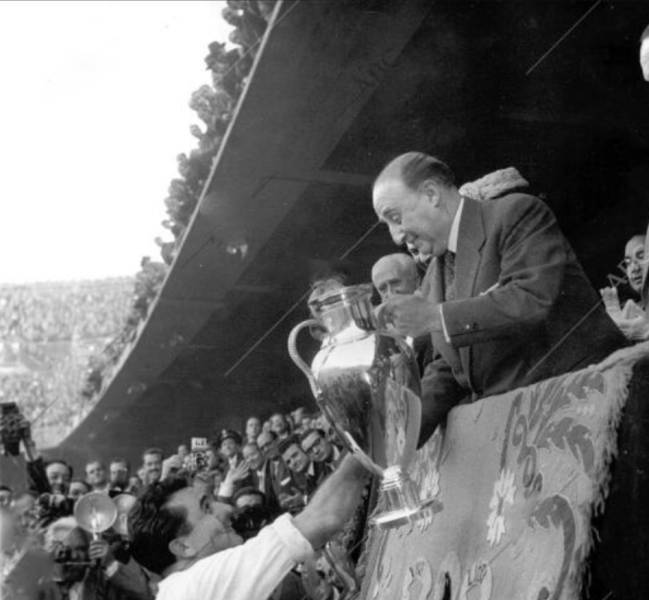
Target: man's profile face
633,262
416,218
316,447
392,277
58,476
95,473
253,456
295,458
210,530
152,465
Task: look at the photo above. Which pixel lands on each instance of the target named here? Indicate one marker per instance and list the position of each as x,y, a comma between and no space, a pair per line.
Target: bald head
395,274
413,168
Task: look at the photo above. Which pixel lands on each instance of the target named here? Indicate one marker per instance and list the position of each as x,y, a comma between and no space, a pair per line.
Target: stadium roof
336,90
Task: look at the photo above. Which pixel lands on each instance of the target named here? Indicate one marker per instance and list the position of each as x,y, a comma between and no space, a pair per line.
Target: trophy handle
295,355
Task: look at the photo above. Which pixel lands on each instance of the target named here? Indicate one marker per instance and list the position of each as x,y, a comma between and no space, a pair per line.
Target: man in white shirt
187,538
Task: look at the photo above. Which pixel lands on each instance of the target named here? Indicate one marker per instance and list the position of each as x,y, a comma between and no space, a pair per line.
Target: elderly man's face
208,521
58,476
416,218
67,547
633,262
391,277
267,445
253,456
295,458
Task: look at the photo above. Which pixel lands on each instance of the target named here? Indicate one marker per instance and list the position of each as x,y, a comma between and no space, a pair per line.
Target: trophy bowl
366,382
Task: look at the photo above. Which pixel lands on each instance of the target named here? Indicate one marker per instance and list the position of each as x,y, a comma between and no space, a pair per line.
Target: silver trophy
366,382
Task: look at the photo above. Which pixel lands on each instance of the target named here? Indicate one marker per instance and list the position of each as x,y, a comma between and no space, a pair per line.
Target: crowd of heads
193,500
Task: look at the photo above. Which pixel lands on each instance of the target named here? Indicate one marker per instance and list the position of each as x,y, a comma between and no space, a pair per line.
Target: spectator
96,476
321,451
151,465
118,475
173,529
78,487
253,429
295,490
631,318
230,447
395,274
59,474
279,426
183,451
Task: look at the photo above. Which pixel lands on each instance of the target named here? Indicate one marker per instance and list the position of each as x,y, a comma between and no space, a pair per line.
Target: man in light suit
504,298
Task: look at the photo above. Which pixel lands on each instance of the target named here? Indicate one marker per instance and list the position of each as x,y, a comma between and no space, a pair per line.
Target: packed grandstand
53,335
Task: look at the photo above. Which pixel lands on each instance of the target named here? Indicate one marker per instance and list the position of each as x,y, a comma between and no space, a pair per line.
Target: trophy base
399,497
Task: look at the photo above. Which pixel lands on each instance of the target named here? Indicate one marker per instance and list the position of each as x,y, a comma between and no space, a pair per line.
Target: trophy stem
399,499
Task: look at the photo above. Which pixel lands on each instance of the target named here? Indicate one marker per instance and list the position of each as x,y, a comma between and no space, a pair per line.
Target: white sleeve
248,572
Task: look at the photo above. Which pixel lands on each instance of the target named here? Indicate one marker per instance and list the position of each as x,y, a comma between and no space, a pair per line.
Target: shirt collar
455,228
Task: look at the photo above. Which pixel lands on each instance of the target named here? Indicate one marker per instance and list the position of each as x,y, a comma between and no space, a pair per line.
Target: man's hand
100,550
611,302
238,472
410,315
635,329
171,465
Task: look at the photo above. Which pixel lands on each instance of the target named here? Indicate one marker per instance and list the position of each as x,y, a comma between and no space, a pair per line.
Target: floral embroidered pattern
504,492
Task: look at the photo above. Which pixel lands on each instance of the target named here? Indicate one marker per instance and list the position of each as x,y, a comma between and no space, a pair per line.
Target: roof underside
338,89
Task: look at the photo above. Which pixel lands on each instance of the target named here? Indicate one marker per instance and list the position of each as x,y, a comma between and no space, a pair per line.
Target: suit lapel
471,238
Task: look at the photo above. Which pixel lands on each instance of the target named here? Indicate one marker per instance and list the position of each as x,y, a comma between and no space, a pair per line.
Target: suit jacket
523,311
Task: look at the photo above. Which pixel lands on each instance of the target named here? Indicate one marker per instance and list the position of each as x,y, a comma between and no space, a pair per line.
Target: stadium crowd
272,467
241,483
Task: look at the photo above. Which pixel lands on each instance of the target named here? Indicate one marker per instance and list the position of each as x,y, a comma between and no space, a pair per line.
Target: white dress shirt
248,572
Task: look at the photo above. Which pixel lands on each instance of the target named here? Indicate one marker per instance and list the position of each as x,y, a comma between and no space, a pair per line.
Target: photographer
188,538
90,569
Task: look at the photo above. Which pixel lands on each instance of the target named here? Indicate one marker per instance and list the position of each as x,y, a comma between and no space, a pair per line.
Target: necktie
449,276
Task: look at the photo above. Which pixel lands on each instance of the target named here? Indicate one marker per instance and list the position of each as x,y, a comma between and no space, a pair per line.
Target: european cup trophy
366,382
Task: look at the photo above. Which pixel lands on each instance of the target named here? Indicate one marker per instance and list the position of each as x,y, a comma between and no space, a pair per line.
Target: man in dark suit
504,298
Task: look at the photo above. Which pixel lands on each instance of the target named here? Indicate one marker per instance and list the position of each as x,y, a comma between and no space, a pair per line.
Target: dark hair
5,488
153,525
308,432
57,461
153,451
286,443
119,459
85,483
413,168
248,491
